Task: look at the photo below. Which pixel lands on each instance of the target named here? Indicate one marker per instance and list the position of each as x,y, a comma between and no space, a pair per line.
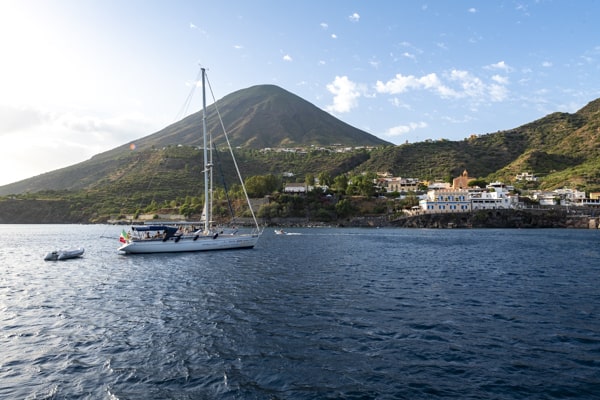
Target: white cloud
475,89
472,10
455,120
238,47
324,25
471,85
16,119
409,55
460,84
401,83
287,57
52,140
497,93
354,17
546,64
345,95
404,129
501,65
193,26
502,80
333,36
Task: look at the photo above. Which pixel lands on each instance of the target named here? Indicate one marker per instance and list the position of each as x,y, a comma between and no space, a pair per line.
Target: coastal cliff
538,218
529,218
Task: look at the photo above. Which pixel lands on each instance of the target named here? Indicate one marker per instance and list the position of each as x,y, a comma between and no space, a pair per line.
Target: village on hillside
460,196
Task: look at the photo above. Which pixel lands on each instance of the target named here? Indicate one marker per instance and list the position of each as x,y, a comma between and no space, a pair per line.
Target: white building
526,176
295,188
560,197
570,195
446,200
465,200
493,199
501,186
398,184
438,185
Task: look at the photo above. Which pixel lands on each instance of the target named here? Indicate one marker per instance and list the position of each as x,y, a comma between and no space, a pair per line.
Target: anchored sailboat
170,239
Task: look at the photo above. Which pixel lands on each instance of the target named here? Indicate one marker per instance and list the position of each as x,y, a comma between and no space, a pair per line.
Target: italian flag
124,236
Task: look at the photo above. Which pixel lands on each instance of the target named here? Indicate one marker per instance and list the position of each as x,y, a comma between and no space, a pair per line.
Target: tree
344,208
309,180
324,179
477,182
236,191
269,211
340,183
362,184
262,185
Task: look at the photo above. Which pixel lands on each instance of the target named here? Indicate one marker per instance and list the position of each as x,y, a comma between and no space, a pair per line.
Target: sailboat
163,238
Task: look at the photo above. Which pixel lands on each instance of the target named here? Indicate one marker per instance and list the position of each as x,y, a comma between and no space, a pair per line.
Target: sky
79,77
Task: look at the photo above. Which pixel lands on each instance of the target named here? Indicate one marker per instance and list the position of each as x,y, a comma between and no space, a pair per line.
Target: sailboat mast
207,162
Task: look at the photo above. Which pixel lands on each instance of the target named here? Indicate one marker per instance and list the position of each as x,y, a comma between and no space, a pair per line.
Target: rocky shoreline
58,212
529,218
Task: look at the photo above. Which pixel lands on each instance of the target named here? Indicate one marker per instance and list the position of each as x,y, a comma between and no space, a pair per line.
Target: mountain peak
264,116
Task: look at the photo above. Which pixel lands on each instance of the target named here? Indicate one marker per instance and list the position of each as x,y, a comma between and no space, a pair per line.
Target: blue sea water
326,314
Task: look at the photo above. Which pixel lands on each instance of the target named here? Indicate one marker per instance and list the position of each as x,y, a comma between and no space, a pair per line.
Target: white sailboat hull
190,243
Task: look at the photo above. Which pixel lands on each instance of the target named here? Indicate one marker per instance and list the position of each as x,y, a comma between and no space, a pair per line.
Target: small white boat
282,232
60,255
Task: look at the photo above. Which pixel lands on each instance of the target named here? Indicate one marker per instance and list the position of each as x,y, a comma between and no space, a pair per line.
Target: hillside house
501,186
496,199
545,198
590,202
570,195
398,184
295,188
560,197
593,201
526,176
438,185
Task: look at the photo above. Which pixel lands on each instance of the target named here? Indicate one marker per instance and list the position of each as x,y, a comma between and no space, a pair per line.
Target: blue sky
79,77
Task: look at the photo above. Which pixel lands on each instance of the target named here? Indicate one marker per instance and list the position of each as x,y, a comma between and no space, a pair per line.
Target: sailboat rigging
170,239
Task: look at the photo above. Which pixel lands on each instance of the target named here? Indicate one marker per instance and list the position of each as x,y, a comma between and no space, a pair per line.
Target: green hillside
562,149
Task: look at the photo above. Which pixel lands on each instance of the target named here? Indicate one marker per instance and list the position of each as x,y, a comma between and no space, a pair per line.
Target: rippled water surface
328,313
